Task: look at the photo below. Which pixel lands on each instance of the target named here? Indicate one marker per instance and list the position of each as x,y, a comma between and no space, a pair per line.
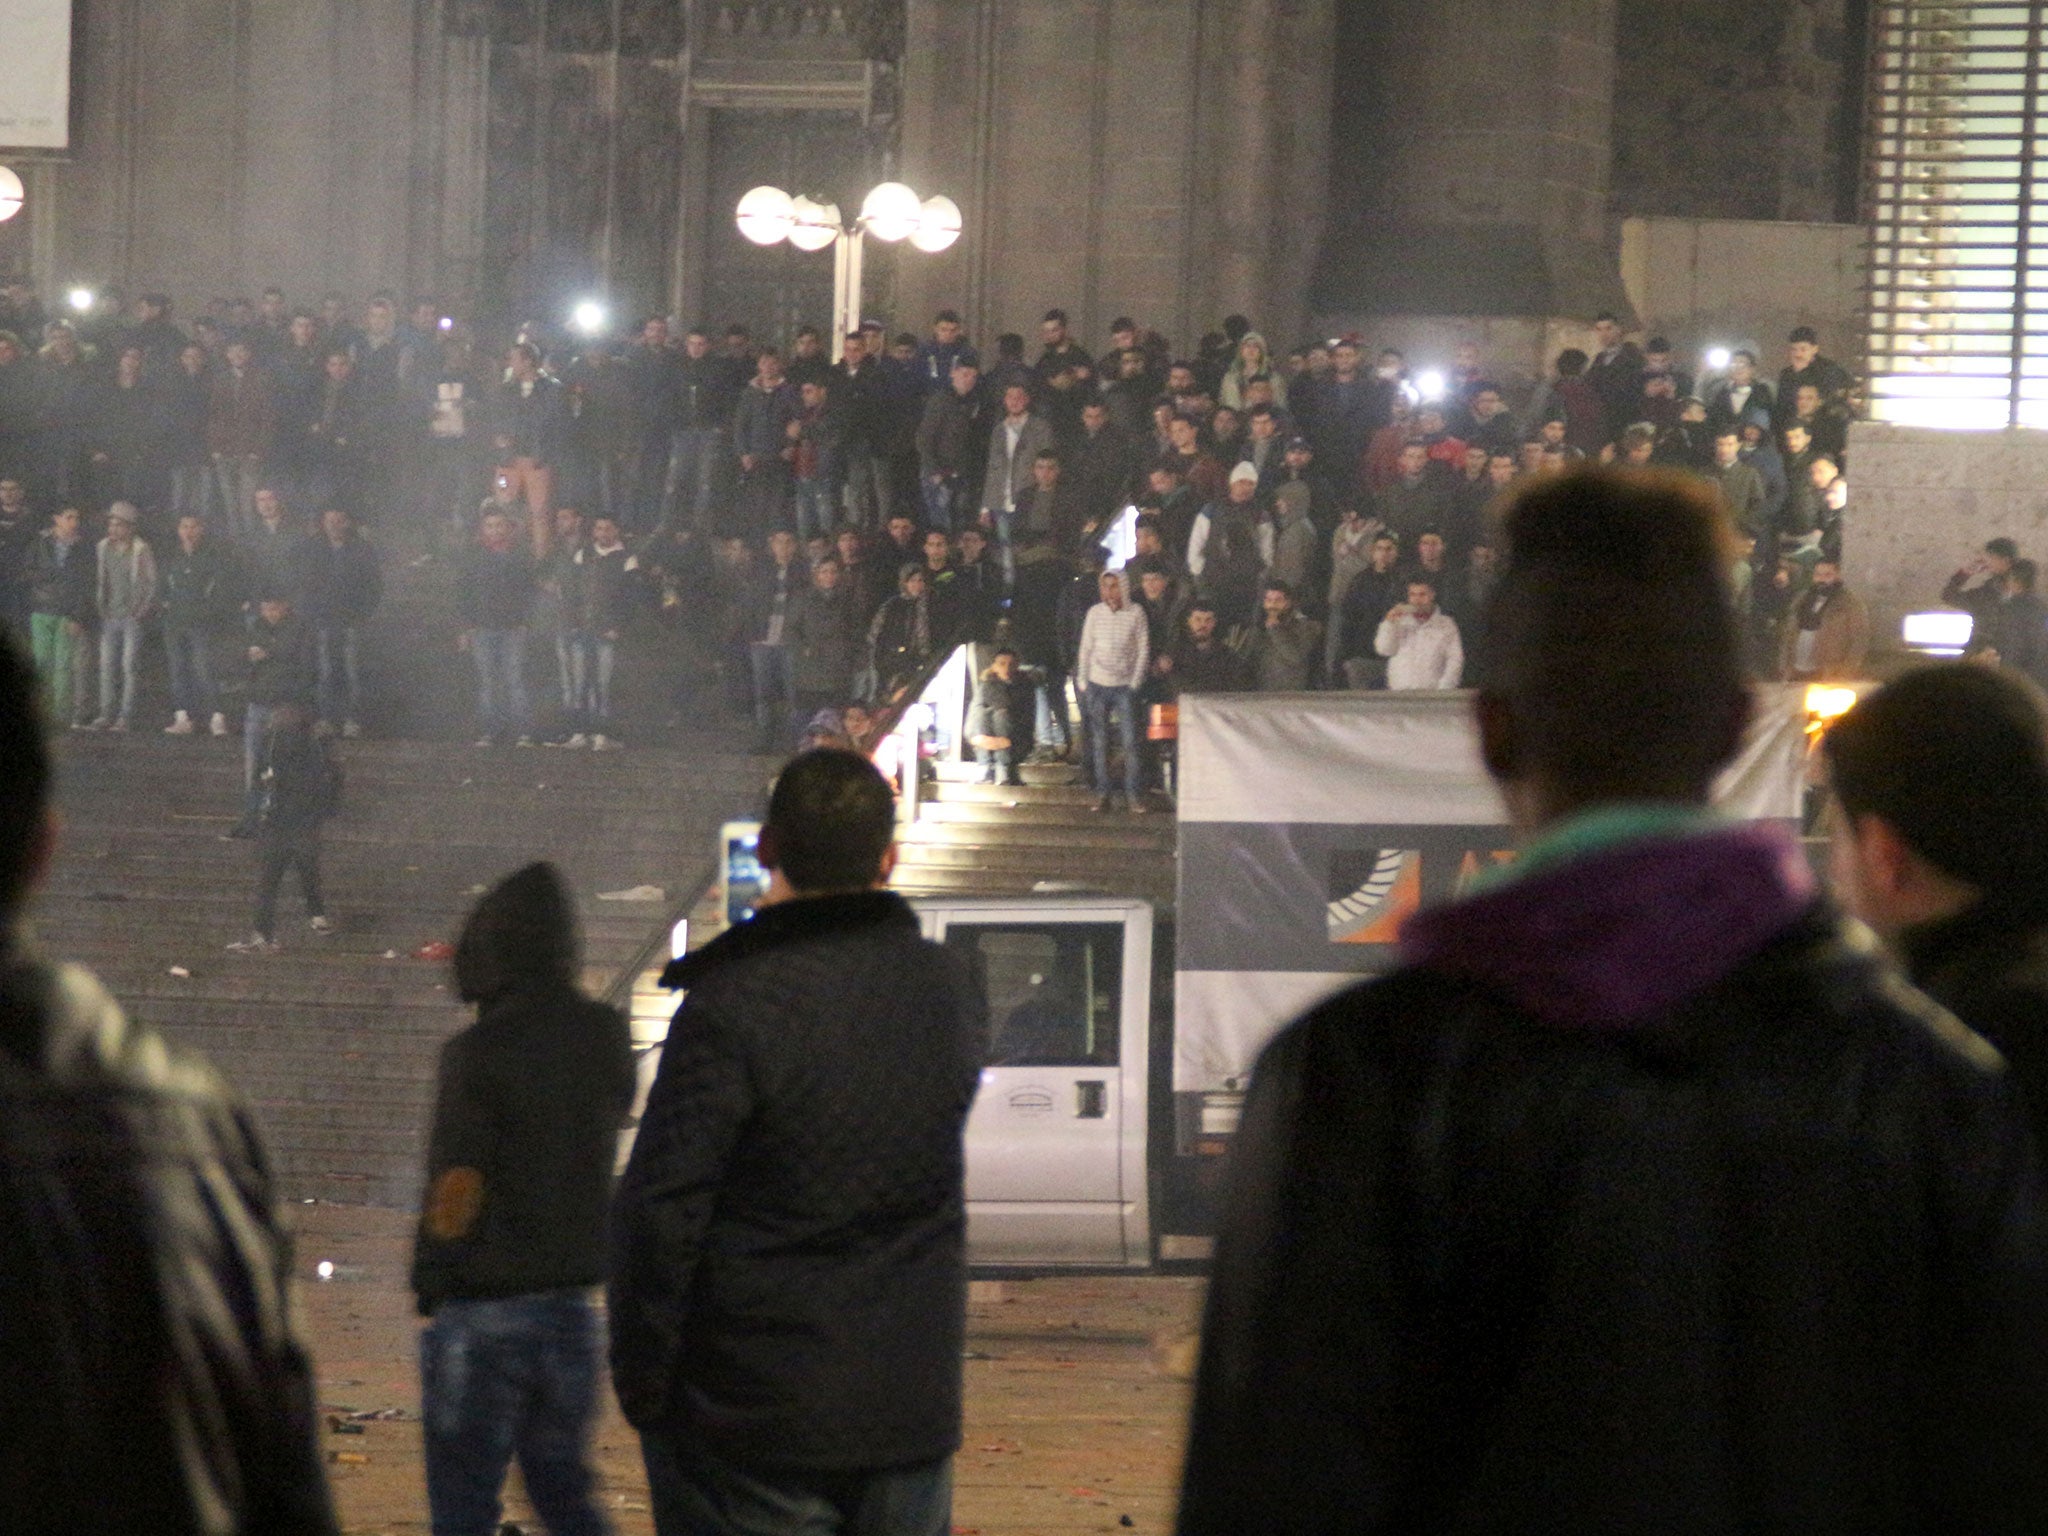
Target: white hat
1244,471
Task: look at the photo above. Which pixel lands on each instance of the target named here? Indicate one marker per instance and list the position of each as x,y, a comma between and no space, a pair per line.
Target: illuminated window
1959,249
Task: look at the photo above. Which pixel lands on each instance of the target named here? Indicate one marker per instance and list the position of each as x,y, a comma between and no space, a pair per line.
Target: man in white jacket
1107,675
1420,642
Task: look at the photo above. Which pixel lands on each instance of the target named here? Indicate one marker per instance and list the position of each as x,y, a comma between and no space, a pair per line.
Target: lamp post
891,212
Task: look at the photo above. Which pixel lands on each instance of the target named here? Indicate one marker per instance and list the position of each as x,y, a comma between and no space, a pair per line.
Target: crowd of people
825,529
1646,1193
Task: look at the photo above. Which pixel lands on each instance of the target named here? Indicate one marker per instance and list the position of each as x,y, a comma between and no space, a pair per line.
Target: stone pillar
1158,158
1491,144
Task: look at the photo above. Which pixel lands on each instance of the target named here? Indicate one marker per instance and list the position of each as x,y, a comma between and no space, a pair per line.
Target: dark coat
1767,1257
339,585
789,1239
300,782
66,585
531,1097
496,591
286,673
824,639
151,1373
198,591
1991,971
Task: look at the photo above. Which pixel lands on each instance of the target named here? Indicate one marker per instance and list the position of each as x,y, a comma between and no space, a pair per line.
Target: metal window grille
1958,273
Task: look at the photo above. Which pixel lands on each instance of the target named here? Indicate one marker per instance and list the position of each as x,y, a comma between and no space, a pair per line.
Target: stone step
1100,832
1012,794
931,880
1069,863
1080,813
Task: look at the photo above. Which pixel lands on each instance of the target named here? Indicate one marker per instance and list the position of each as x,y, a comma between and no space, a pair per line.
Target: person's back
788,1275
1642,1197
151,1373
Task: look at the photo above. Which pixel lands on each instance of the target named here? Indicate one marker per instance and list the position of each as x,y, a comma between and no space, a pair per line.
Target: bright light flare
589,317
81,299
1941,633
1718,358
891,211
766,215
1430,384
1829,701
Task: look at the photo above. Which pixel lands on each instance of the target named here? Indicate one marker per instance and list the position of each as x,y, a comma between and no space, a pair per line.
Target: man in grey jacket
1014,445
127,596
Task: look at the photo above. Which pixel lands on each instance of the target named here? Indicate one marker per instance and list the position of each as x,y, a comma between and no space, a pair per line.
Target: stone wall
1922,501
1733,283
1738,109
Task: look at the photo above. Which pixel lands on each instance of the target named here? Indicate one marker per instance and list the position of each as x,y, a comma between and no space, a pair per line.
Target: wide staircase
986,840
335,1039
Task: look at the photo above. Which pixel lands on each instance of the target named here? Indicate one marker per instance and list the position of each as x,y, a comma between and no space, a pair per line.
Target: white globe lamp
766,215
816,226
891,211
12,194
938,225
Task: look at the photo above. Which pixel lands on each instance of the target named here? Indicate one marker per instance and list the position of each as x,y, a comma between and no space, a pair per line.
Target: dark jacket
531,1098
286,673
789,1240
1991,971
496,591
952,436
301,784
152,1377
604,590
532,424
707,389
824,639
1644,1198
198,591
1214,668
63,579
341,584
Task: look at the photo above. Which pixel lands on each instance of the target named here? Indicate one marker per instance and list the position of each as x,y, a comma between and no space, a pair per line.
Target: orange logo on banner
1469,871
1375,912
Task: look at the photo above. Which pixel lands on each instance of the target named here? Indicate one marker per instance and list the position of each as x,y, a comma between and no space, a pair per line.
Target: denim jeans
696,466
120,643
191,490
502,708
817,508
189,654
940,497
774,694
513,1376
697,1493
341,684
1052,725
255,723
1102,704
238,479
591,660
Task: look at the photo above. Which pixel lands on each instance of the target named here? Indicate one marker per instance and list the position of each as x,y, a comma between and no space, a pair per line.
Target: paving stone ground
1075,1411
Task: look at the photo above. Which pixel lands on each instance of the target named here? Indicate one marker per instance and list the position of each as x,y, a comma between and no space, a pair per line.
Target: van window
1055,990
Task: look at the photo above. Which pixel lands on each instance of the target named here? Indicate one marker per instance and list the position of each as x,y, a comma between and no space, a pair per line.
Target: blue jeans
591,660
192,687
514,1376
696,1493
120,643
940,497
502,708
817,507
341,683
695,467
774,695
1102,704
1050,720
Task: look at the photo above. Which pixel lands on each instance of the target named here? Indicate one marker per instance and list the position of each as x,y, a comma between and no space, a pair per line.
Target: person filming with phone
1421,642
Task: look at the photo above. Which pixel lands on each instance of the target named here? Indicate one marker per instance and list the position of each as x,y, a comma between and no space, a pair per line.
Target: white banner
35,74
1310,827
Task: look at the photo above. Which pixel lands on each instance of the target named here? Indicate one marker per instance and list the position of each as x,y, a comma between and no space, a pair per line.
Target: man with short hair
1200,661
1827,634
1372,593
604,591
1978,587
240,421
776,590
1420,641
1285,649
708,389
1636,1152
1615,374
198,587
531,433
1742,488
761,435
1937,826
494,598
952,443
62,575
528,1102
126,596
824,635
1108,672
340,585
151,1365
1018,437
1804,364
788,1268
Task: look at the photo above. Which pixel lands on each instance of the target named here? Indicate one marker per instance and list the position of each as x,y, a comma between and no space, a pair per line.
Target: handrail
890,715
620,992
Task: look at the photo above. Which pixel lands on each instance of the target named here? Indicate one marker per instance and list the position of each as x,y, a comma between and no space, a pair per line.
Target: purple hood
1616,936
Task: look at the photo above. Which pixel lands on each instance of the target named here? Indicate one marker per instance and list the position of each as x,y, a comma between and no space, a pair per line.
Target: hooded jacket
152,1374
531,1098
1643,1198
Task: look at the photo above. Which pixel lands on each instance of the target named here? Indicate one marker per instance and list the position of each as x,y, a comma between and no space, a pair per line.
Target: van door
1052,1173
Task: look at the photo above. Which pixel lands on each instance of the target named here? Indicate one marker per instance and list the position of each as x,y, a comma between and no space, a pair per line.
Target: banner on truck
1311,827
35,74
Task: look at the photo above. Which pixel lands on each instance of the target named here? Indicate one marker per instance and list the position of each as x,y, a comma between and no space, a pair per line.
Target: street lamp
891,212
12,193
